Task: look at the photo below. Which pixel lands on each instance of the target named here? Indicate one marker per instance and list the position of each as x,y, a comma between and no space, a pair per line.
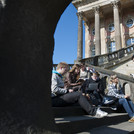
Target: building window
93,50
111,27
130,42
93,31
112,47
129,23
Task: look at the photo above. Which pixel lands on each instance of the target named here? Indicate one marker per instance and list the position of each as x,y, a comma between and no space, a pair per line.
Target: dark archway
26,49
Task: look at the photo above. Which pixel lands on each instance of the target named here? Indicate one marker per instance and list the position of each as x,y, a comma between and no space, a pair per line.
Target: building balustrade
106,58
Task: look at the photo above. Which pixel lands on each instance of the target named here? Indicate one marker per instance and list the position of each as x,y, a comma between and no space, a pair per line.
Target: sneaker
131,120
100,113
114,108
107,102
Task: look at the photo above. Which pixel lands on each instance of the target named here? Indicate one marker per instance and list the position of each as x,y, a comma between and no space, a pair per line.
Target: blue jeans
128,106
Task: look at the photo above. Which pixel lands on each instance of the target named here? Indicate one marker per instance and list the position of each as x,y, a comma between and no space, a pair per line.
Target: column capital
115,4
79,14
96,9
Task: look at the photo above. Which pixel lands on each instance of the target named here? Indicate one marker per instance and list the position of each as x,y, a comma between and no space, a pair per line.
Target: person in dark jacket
124,100
93,88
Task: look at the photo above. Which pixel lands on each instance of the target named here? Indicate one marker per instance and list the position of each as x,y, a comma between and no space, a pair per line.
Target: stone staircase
73,119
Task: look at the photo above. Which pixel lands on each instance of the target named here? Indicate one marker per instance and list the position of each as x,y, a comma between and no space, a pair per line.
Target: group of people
84,86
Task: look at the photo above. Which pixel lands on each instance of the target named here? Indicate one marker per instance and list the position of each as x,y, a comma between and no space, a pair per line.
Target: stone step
119,128
68,111
77,111
75,124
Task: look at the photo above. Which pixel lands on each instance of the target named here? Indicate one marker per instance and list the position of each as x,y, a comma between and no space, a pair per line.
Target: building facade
109,26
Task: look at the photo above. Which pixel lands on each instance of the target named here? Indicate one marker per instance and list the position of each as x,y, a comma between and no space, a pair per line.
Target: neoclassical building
109,26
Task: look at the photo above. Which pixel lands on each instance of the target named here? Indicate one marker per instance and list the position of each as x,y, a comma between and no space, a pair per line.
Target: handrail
110,72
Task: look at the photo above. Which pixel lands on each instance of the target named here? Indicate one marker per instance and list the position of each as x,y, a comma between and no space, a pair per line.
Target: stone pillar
123,36
104,46
87,41
97,31
27,44
117,25
80,37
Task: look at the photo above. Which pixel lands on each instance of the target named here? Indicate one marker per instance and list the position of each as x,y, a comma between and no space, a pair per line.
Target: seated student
64,97
123,100
84,72
72,80
94,88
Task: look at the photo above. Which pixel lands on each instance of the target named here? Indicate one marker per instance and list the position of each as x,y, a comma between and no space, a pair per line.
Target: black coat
91,85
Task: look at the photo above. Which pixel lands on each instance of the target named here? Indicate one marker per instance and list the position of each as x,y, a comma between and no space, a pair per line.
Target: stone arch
27,43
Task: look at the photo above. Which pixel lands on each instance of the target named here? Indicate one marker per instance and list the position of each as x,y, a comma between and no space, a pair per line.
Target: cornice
94,4
79,3
86,5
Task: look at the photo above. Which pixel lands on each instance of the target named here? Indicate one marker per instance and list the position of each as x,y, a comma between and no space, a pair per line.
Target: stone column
97,31
87,41
80,37
26,46
123,36
104,46
117,25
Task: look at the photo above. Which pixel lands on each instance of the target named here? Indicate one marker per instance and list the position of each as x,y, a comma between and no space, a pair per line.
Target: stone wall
26,49
125,68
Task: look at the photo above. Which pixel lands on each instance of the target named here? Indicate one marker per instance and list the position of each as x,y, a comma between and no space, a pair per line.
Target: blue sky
66,37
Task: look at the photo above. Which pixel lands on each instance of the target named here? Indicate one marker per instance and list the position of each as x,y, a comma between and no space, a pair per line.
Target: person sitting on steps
84,72
93,88
71,79
123,99
64,97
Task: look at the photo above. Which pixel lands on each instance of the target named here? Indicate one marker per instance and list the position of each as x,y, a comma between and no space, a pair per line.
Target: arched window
130,41
129,23
111,27
93,31
112,47
93,50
